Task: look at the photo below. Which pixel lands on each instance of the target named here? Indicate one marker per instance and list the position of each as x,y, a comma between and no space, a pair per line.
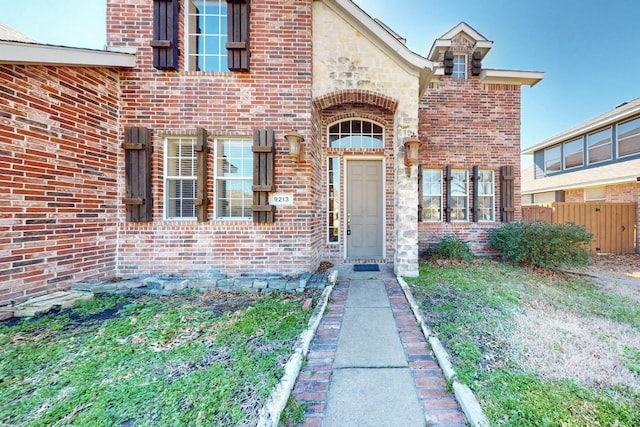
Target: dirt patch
324,267
558,344
625,267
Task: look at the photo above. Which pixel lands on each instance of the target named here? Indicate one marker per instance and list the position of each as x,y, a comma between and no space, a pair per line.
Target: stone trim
356,96
158,285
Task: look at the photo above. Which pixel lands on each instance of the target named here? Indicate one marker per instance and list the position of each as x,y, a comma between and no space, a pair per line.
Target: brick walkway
312,387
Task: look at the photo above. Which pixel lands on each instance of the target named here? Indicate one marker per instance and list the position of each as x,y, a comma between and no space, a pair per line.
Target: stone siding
345,59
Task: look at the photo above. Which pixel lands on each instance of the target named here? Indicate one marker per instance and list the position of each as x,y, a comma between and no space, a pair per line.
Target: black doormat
366,267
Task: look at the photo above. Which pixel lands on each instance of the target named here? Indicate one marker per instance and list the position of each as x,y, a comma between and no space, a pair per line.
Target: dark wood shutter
507,192
476,63
202,196
447,206
263,182
475,180
238,35
420,193
137,162
165,34
448,63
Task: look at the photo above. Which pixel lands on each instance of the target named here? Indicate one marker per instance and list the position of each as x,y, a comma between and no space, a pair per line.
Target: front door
365,225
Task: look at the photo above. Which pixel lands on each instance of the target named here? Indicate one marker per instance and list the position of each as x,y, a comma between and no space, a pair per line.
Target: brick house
597,161
177,154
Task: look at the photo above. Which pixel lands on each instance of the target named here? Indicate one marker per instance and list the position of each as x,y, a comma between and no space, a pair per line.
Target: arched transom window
355,133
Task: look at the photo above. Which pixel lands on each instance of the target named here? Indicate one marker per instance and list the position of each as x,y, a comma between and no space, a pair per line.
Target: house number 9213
281,199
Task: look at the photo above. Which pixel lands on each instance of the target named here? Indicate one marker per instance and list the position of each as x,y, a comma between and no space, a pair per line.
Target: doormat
366,267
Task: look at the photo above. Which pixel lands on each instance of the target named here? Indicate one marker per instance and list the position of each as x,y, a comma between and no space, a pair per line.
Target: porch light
295,142
411,150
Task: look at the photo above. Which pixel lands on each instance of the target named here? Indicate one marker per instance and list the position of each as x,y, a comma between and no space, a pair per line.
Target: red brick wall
58,140
335,252
465,124
276,94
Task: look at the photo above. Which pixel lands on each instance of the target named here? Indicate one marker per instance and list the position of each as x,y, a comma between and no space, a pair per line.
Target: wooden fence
613,225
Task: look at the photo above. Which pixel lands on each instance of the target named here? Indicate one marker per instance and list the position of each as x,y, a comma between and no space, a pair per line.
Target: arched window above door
356,133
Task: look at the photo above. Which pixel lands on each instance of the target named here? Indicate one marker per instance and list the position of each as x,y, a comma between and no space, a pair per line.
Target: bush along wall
542,245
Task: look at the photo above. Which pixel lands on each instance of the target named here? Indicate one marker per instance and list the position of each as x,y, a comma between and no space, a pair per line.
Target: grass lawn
536,350
192,359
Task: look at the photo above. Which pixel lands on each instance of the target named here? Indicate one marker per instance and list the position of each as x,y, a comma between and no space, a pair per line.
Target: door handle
349,224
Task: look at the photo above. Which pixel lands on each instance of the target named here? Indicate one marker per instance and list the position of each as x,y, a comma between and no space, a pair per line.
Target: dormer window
459,67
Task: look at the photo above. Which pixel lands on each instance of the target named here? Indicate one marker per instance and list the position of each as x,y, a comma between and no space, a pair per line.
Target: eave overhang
511,77
12,52
618,114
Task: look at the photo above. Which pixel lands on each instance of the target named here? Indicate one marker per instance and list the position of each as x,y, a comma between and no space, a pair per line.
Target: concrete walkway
369,365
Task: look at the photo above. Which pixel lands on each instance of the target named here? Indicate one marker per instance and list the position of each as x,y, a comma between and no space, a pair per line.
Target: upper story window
599,146
552,159
573,152
356,133
459,67
180,178
629,138
206,39
234,178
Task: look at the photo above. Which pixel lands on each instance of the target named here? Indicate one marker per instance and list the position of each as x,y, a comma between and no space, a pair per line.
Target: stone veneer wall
58,210
344,59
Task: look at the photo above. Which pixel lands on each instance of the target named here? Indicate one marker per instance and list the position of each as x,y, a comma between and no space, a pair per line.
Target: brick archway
356,96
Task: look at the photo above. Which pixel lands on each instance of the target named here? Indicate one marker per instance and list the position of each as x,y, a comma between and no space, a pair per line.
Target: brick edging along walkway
312,386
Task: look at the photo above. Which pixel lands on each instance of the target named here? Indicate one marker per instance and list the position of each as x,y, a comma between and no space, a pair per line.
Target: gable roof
621,112
483,46
443,43
9,33
383,37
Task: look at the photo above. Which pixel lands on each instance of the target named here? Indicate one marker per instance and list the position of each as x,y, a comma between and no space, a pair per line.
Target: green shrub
451,247
544,245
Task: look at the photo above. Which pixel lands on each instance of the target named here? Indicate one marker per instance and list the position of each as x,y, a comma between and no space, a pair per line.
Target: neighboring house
596,161
182,163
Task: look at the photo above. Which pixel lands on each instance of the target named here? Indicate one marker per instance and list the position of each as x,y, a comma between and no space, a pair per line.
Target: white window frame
373,136
169,178
459,66
428,184
462,196
221,160
192,56
336,201
634,135
491,196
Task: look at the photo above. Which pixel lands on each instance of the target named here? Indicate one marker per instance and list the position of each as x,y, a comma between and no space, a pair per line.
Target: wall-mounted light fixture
411,151
295,145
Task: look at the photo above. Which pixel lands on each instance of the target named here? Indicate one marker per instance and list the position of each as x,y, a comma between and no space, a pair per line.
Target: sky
588,49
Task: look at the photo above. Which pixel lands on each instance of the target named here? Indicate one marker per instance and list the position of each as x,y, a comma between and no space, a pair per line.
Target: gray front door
365,225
